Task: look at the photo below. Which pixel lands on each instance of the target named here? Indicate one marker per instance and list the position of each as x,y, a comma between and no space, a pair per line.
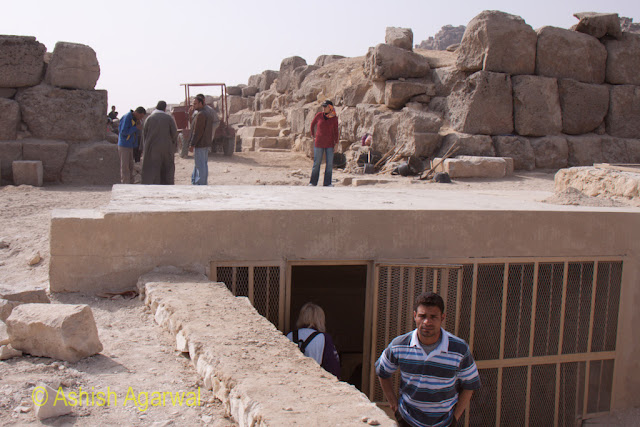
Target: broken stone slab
73,66
234,90
482,104
446,78
7,352
518,148
398,92
598,25
60,331
286,72
597,182
551,152
54,406
9,119
10,151
468,145
61,114
623,60
584,106
93,163
475,167
399,37
254,81
22,60
269,76
584,150
500,42
273,142
249,91
386,62
52,154
6,307
33,295
323,60
569,54
623,118
536,106
27,172
258,132
181,342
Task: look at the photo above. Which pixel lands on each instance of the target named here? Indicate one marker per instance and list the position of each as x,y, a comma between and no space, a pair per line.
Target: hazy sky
147,48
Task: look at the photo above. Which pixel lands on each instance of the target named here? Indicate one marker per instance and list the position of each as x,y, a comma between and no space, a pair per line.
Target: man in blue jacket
130,132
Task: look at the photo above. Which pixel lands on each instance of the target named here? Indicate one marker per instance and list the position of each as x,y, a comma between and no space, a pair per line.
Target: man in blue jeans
324,129
202,125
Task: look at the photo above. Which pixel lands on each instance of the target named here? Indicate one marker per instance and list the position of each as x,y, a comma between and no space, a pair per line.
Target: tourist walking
203,125
324,130
128,135
160,136
438,373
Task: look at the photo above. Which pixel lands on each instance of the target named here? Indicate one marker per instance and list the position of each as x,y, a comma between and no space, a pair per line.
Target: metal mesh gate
543,332
263,284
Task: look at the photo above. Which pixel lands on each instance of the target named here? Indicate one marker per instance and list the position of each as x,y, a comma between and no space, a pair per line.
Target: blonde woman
312,339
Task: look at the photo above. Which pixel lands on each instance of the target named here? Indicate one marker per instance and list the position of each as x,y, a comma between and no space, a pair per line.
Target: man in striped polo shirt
437,371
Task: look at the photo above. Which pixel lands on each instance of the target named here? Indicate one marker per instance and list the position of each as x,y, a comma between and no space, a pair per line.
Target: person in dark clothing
324,129
160,136
314,342
113,114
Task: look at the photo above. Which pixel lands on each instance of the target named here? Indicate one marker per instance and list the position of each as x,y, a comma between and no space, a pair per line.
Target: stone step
275,122
257,132
257,373
273,150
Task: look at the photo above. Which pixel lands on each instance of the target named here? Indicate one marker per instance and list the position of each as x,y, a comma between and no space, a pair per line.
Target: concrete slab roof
157,198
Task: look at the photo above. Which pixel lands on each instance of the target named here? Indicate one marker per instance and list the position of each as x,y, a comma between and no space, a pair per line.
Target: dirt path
137,352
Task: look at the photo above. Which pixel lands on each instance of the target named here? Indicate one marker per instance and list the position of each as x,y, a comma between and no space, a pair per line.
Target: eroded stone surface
386,62
536,106
33,295
598,24
551,152
623,119
598,182
584,106
623,60
399,37
468,145
21,61
9,119
9,152
518,148
93,163
73,66
52,154
27,172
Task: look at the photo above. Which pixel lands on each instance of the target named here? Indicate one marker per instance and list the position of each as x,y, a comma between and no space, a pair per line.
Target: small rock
4,335
4,243
22,409
8,352
364,419
373,422
288,408
35,260
207,419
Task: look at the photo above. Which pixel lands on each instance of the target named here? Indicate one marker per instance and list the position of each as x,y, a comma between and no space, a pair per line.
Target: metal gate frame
501,363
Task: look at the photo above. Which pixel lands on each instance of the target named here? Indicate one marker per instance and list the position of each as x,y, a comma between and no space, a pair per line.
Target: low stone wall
260,376
49,111
596,182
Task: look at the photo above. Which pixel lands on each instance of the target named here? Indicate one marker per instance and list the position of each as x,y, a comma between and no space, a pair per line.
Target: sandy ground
137,352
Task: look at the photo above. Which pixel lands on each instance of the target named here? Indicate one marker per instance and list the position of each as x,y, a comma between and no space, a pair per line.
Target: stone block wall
50,112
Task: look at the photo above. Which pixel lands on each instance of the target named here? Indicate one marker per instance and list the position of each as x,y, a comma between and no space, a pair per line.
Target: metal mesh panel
548,306
518,317
274,295
428,280
482,410
488,318
450,308
577,308
403,303
464,326
382,324
600,384
260,290
543,395
242,282
225,275
572,383
607,301
514,396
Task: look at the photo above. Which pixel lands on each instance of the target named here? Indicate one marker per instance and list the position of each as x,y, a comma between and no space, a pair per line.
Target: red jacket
326,132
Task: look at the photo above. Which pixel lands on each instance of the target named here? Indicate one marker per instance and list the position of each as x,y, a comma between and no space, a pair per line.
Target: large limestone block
398,92
286,71
585,150
446,78
614,150
399,37
475,167
27,172
623,118
633,150
31,295
249,91
598,24
254,80
73,66
482,104
93,163
299,75
386,62
236,103
234,90
355,94
584,106
498,41
60,331
571,55
70,115
536,106
9,119
258,132
551,152
269,76
518,148
623,60
323,60
9,152
468,145
21,61
52,154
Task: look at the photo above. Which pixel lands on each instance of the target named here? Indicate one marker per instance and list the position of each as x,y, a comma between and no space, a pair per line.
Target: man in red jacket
324,129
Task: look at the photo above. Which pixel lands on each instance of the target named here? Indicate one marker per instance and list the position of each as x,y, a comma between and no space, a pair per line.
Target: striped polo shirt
429,384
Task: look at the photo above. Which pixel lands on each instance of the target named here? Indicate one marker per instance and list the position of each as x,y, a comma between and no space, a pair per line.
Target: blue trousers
201,168
317,161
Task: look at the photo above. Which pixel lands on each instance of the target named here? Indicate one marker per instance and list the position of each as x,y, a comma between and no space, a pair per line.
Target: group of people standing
437,372
157,139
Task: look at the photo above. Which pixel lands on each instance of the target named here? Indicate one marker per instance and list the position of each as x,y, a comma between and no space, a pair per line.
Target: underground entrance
341,291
